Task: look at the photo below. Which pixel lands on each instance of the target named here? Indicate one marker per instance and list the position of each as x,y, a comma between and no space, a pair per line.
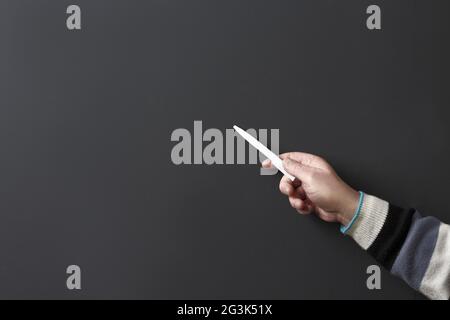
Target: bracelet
344,229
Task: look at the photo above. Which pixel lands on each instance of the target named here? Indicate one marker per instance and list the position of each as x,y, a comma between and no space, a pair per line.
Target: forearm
415,248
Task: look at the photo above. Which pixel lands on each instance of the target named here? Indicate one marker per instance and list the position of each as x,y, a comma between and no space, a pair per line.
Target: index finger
306,159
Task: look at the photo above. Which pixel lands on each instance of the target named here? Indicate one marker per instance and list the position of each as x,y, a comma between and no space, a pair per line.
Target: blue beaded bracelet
344,229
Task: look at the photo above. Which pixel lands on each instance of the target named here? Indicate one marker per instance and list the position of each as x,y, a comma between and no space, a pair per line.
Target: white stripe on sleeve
436,282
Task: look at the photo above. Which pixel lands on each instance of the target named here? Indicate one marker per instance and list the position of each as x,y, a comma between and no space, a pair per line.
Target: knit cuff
370,221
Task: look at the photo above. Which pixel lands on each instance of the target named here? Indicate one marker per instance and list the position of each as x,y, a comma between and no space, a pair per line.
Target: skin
317,188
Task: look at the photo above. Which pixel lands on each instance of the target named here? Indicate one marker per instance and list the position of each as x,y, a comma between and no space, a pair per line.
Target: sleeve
412,247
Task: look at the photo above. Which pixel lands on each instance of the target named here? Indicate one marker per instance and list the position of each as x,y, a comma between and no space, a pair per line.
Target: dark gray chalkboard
86,116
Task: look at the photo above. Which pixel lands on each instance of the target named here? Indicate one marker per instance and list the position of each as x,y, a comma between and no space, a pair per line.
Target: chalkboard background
86,116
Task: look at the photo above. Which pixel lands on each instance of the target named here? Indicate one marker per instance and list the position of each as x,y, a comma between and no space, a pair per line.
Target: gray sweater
412,247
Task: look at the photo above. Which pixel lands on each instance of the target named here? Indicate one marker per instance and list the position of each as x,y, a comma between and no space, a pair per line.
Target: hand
317,188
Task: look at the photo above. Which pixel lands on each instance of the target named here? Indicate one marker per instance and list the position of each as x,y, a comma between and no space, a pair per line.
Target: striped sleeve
412,247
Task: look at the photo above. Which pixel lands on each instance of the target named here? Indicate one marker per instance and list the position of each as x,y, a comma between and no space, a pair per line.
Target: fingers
293,189
300,192
297,156
297,169
304,158
289,187
300,205
309,210
266,164
296,194
307,159
285,189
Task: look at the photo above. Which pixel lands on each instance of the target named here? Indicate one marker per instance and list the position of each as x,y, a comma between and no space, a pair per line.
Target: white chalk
276,161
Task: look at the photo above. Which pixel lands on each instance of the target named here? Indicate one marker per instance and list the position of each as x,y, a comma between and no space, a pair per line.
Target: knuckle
308,176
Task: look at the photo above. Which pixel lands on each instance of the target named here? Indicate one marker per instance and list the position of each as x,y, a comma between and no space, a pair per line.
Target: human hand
317,188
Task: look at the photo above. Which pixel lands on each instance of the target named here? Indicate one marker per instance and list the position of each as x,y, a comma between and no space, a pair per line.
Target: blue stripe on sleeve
415,255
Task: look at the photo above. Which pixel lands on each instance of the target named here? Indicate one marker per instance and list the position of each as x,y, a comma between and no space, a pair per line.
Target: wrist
349,207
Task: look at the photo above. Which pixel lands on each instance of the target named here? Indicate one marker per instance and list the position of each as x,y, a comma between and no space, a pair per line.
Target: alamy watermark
374,280
73,21
215,147
73,281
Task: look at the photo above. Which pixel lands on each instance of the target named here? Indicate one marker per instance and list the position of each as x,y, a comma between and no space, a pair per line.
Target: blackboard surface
86,117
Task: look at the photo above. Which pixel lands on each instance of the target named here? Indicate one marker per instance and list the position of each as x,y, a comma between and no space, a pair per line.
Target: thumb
297,169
